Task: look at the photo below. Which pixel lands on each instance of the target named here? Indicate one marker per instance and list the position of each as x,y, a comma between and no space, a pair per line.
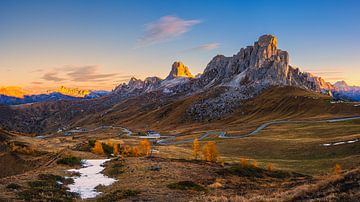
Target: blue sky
97,44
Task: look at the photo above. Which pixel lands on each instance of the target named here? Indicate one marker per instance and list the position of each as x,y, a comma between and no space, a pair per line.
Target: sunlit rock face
178,69
252,69
13,91
261,64
74,92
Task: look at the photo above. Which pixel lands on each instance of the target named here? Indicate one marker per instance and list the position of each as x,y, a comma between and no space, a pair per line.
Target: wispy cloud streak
165,29
203,47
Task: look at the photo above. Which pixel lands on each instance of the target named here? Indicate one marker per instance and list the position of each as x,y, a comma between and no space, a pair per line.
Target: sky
100,44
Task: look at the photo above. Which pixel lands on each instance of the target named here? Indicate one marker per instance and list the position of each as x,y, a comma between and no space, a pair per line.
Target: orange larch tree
210,152
116,149
196,149
98,148
145,147
338,169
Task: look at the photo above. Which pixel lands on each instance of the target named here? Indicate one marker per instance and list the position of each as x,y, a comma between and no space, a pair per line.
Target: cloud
204,47
85,73
88,74
37,82
37,71
325,72
165,29
328,75
52,76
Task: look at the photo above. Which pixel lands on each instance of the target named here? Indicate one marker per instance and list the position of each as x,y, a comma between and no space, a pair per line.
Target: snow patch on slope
90,177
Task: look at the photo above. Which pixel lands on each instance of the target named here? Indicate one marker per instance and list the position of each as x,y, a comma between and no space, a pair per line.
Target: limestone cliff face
253,69
178,69
260,64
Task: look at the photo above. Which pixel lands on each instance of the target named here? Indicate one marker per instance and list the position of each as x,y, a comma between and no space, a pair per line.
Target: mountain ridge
225,86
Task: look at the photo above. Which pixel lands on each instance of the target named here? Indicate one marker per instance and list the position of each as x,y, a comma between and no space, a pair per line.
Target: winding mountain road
221,134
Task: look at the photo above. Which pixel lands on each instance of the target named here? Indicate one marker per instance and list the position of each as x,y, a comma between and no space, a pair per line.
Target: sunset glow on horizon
98,45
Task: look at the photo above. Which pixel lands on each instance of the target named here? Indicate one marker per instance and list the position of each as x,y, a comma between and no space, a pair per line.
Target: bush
338,169
48,187
108,149
115,170
70,160
91,143
118,195
186,185
13,186
256,172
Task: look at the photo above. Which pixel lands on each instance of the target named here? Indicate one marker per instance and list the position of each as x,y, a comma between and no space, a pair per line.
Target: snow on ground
89,178
174,82
357,105
340,143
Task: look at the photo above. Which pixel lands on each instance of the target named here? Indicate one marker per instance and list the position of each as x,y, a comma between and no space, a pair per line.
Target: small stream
90,177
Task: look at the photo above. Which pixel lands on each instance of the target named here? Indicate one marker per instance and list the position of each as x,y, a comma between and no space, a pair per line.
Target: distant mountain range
256,82
343,91
16,95
246,73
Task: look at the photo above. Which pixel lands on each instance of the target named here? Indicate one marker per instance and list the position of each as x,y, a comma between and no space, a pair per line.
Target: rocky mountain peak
342,86
74,92
178,69
267,41
13,91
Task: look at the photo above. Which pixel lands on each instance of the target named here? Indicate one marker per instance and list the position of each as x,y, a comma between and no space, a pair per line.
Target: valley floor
303,168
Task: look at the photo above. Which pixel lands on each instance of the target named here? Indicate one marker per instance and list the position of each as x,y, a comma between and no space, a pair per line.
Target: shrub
48,187
115,170
118,195
338,169
70,160
21,149
13,186
108,149
91,143
186,185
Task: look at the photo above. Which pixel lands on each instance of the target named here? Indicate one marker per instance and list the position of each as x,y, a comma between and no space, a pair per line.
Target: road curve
222,134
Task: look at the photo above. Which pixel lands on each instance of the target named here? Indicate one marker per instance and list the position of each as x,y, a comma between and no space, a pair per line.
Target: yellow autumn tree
126,150
98,148
135,151
145,147
210,152
243,162
254,164
270,167
116,149
196,149
338,169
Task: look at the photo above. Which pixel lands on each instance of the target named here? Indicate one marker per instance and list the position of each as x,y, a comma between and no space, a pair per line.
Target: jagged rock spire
178,69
